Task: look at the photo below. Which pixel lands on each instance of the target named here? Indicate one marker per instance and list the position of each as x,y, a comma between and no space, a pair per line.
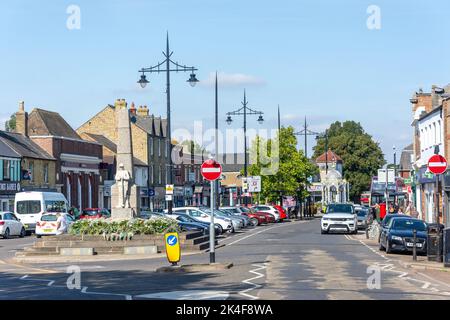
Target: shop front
8,191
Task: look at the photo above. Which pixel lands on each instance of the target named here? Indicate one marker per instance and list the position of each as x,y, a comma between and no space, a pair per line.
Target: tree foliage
361,155
10,125
290,168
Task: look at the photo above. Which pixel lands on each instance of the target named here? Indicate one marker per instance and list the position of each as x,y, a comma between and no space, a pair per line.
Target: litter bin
435,242
446,251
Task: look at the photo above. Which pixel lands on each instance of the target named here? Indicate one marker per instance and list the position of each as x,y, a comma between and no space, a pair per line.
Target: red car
282,212
95,213
267,216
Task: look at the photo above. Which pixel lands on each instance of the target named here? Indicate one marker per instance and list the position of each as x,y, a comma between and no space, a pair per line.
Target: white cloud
231,80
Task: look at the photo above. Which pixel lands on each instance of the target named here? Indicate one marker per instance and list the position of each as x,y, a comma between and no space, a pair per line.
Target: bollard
414,245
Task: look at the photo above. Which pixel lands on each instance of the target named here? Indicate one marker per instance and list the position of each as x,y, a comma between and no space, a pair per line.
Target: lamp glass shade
229,120
192,80
260,119
143,81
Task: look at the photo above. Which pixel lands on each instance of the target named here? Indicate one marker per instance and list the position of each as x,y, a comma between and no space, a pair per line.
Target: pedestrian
391,208
61,224
400,210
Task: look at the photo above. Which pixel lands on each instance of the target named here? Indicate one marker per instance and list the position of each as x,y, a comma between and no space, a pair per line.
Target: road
290,260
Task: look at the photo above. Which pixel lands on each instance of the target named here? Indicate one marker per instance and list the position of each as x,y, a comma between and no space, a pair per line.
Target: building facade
77,162
334,188
24,166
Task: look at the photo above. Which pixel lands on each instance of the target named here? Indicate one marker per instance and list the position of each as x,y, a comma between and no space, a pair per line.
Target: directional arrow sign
437,164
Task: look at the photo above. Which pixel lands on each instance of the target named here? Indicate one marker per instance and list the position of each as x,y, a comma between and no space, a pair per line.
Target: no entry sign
211,170
437,164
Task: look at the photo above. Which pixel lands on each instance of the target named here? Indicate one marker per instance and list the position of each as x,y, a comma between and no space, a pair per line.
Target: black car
398,235
387,218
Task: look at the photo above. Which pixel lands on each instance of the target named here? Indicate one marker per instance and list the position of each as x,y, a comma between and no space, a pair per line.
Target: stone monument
124,193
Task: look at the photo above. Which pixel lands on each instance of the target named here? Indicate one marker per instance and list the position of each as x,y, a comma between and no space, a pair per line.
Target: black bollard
414,245
367,230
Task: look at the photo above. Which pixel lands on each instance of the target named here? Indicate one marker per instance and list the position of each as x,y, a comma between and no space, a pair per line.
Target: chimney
120,104
143,111
22,120
132,109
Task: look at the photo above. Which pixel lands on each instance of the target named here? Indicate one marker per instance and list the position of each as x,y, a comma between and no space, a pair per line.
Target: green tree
10,125
288,168
361,155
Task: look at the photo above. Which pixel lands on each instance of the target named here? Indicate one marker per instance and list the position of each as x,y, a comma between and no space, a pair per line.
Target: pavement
290,260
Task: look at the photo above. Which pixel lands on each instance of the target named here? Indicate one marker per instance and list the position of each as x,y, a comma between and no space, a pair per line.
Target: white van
29,206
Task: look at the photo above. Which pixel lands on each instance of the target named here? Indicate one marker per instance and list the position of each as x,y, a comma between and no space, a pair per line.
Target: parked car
270,218
269,209
283,214
10,225
47,226
95,213
387,218
254,219
339,217
398,235
151,215
188,223
223,224
238,222
364,217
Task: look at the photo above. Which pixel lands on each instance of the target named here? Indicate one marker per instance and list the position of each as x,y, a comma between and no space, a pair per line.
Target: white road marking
249,281
127,296
187,295
254,234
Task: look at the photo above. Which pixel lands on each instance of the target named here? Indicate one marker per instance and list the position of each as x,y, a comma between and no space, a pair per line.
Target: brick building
78,162
24,166
431,130
150,151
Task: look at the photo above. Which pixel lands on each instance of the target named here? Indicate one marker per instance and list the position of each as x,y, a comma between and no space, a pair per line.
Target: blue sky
314,58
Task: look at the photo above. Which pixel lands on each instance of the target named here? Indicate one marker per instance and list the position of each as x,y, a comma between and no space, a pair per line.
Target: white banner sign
382,175
254,184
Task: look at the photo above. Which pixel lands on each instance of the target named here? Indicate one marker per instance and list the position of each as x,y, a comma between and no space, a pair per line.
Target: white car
223,224
47,226
268,209
340,217
10,225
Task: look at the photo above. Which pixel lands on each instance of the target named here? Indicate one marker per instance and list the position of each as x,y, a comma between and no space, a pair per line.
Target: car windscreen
340,208
361,213
28,207
409,224
244,209
55,206
90,212
49,217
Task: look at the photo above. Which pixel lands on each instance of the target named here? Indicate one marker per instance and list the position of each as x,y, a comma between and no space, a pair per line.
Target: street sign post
173,250
211,170
437,164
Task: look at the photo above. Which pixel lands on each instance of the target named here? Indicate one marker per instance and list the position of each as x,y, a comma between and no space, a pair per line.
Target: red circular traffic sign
211,170
437,164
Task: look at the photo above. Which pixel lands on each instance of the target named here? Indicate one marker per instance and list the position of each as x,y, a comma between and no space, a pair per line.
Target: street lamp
167,66
324,135
306,132
244,111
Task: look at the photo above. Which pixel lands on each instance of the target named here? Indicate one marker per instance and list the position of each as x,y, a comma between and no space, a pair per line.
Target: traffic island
196,267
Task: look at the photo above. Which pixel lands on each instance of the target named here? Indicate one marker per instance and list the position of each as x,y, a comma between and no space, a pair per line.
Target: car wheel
22,233
323,231
219,227
388,247
254,222
6,234
381,248
38,236
232,230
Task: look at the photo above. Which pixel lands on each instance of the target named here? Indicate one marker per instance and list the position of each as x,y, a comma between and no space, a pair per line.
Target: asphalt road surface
290,260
